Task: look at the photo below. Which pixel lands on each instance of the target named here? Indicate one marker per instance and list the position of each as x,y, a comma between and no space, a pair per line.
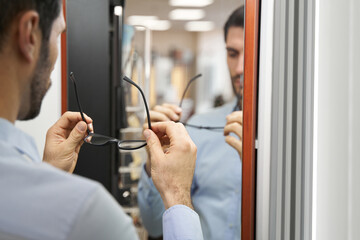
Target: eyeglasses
211,128
101,140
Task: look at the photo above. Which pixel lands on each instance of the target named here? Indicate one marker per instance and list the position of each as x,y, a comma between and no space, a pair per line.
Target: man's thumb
153,144
77,134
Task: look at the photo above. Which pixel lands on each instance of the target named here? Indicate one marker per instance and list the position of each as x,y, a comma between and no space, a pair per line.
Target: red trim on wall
249,121
63,67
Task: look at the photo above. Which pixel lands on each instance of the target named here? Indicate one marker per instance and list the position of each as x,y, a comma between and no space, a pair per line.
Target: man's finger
233,128
154,145
175,108
158,117
235,117
168,112
69,119
175,131
77,135
235,143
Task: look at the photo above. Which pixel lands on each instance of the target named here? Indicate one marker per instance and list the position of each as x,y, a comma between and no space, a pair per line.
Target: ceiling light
199,26
190,3
158,25
140,28
118,10
151,22
187,14
140,19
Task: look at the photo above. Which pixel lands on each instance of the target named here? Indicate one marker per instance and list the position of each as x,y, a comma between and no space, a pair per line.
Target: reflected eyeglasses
211,128
101,140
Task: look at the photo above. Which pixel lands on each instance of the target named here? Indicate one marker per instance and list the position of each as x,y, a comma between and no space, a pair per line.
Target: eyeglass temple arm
203,127
187,86
125,78
72,77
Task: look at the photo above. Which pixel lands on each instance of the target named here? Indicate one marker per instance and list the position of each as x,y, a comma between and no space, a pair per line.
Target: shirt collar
229,107
19,140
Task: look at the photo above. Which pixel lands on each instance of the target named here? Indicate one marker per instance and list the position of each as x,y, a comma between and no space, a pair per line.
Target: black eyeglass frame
211,128
111,140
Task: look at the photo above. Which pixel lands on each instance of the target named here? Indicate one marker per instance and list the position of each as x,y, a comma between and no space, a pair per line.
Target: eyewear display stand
136,65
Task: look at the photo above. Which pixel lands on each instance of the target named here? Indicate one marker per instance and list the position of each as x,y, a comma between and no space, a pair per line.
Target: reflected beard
238,90
39,83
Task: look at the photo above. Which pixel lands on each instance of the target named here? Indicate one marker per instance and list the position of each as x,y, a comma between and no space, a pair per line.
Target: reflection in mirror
167,43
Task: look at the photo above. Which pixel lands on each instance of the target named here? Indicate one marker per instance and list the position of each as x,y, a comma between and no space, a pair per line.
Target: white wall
211,62
337,147
50,110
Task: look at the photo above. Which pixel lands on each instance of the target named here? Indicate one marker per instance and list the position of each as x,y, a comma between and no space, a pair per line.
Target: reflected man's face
235,56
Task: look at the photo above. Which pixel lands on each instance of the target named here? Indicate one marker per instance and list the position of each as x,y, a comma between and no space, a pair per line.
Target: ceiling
217,12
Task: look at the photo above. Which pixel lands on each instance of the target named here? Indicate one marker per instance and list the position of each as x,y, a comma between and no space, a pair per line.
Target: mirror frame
252,29
248,202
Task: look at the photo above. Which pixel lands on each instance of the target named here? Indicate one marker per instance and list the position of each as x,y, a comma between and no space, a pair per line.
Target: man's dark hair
236,19
48,11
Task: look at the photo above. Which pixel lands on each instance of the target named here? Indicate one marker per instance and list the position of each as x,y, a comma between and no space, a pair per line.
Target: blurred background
185,38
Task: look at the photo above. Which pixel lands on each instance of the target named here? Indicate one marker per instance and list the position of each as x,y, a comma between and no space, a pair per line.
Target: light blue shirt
38,201
216,188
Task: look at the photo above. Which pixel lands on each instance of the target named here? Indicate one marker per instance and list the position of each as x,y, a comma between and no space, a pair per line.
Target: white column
337,195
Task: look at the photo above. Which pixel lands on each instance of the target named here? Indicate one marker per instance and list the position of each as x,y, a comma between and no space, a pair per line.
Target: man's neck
8,106
9,92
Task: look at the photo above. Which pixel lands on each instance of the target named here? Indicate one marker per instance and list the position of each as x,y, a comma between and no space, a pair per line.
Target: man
39,201
216,188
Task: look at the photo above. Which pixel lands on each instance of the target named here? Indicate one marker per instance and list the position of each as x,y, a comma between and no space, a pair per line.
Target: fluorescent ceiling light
158,25
187,14
151,22
118,10
140,19
140,28
199,26
190,3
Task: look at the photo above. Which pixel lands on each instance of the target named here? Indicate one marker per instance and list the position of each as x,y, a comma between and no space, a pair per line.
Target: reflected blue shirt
216,188
39,201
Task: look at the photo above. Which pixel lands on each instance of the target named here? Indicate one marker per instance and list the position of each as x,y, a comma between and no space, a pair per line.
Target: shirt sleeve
180,223
101,217
151,205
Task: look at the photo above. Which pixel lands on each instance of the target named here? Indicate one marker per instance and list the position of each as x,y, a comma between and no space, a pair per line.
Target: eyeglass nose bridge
135,144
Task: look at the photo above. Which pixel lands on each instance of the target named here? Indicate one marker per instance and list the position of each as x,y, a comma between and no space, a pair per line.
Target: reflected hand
162,113
64,139
172,167
234,125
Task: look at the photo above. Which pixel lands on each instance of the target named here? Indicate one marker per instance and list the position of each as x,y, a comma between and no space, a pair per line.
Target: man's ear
29,35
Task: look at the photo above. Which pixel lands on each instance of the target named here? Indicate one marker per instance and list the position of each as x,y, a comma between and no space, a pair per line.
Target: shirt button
231,226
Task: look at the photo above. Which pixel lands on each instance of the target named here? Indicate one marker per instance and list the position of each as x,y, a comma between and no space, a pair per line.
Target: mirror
166,44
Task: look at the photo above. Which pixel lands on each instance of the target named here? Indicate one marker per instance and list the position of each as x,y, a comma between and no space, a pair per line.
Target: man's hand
64,139
234,125
172,156
162,113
